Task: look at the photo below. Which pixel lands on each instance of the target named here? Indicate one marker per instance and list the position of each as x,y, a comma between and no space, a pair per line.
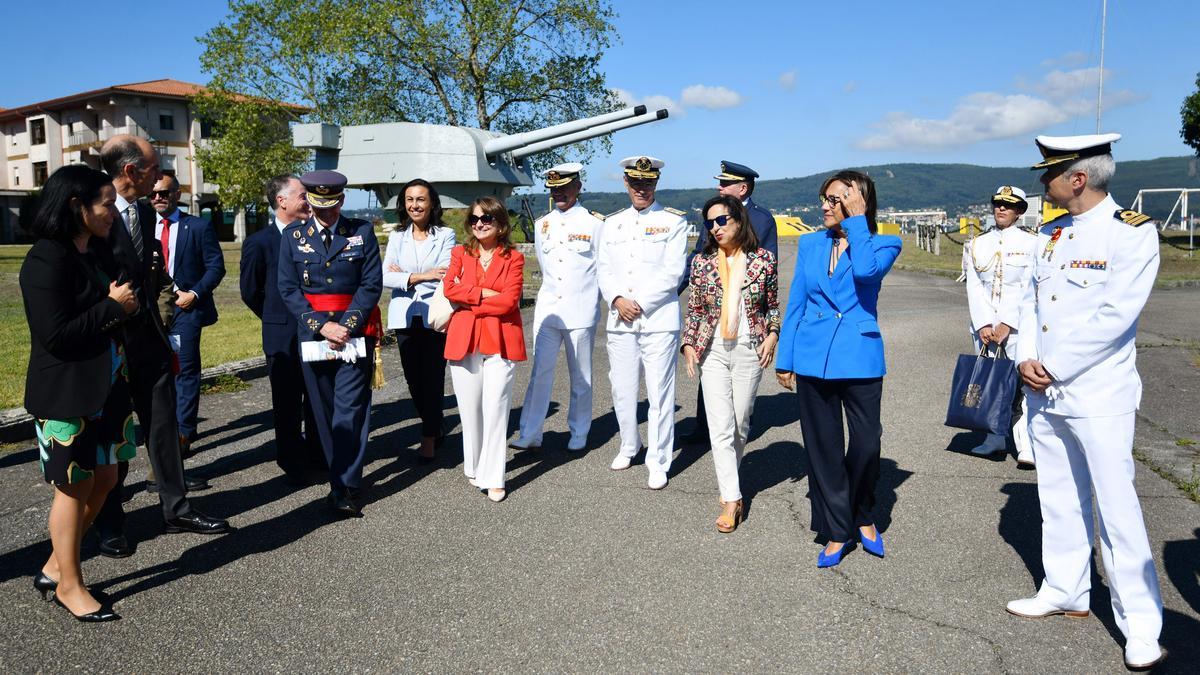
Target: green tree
1190,112
502,65
250,144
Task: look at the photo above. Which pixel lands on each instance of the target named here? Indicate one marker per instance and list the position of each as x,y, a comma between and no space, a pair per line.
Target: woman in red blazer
484,340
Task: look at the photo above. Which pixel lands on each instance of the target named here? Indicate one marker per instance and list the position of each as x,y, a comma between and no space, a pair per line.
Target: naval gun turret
464,163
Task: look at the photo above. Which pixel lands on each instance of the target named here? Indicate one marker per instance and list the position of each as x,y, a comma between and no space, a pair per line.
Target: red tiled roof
164,87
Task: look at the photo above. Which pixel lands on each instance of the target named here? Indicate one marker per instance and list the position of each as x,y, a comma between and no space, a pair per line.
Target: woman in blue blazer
831,353
418,253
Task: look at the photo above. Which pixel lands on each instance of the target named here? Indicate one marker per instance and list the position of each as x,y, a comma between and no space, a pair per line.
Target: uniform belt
339,302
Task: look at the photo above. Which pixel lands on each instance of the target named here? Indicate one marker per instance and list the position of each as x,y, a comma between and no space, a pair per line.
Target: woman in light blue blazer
418,252
831,353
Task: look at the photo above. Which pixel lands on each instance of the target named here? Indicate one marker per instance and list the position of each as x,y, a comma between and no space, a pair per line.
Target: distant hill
950,187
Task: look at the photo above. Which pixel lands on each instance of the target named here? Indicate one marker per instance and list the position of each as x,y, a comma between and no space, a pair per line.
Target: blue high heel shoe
872,546
832,559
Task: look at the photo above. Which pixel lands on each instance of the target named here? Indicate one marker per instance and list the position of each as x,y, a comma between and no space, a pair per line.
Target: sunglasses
485,219
719,221
162,194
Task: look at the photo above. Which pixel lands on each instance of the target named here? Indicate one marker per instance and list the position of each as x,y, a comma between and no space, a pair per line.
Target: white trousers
729,377
547,340
483,389
654,353
1076,458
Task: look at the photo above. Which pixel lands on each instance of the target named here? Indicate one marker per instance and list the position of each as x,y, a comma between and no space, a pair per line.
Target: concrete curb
16,424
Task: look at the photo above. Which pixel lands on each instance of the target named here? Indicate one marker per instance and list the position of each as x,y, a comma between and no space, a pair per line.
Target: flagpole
1100,92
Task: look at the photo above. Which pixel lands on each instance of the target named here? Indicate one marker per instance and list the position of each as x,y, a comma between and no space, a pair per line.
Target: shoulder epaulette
1131,217
598,215
614,213
677,212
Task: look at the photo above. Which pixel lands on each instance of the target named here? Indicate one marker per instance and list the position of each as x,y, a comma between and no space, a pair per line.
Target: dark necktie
327,238
135,230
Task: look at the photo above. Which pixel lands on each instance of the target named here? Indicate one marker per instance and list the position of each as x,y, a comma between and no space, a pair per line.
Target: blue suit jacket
831,327
351,266
764,226
199,266
260,290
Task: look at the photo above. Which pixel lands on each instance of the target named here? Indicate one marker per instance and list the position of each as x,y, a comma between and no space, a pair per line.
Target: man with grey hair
134,167
1093,270
298,453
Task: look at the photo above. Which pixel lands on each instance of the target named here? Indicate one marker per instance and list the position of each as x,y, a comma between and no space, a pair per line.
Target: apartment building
41,137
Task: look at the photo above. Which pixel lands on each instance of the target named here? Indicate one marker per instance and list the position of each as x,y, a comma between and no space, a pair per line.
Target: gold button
1085,283
838,315
1062,267
1053,298
1045,328
327,263
329,313
1071,236
329,280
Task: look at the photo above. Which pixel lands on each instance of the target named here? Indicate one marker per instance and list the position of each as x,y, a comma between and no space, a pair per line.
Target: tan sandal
727,522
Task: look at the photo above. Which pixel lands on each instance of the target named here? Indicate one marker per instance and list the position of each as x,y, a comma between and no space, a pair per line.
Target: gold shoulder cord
995,261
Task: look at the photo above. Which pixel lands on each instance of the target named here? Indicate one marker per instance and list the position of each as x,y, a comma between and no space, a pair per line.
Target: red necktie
165,239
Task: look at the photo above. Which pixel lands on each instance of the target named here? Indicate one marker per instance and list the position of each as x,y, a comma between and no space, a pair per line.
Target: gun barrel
514,141
550,144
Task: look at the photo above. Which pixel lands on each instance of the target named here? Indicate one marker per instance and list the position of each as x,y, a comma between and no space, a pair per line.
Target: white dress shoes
1025,459
620,463
1142,654
1036,608
576,444
657,480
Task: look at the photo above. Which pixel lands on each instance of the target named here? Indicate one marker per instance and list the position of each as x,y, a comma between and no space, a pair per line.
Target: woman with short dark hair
418,252
730,330
485,339
76,387
831,353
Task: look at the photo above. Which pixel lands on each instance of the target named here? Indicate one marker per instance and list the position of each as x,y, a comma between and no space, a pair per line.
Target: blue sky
788,88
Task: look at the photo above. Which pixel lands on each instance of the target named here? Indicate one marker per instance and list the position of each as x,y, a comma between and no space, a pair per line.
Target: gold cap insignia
643,164
1006,191
322,189
553,175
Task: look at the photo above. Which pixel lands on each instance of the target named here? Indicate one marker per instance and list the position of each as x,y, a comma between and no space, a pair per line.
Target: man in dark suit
134,167
192,257
298,454
735,180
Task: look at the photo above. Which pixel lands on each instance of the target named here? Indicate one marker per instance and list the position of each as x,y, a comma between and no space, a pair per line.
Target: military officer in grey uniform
642,254
565,240
997,265
330,278
1093,270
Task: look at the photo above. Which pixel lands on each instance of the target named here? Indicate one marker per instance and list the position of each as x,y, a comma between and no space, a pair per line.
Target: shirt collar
172,216
1097,213
653,207
121,204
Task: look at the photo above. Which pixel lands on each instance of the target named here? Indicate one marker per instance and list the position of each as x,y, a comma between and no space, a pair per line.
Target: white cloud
788,80
850,86
1068,60
652,102
986,116
712,98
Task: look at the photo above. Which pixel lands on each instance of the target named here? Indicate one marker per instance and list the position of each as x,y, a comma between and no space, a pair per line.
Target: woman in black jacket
76,385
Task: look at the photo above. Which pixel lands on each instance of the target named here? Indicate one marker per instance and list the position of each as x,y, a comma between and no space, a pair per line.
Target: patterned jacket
760,298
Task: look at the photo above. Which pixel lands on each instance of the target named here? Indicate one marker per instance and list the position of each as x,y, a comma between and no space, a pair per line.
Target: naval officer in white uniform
997,265
566,241
642,254
1092,274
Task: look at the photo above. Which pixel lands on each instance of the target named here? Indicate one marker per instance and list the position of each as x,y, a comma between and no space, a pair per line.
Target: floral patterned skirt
69,450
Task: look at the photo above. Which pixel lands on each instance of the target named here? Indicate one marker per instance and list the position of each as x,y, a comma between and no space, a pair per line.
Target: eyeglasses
832,201
719,221
642,183
485,219
162,194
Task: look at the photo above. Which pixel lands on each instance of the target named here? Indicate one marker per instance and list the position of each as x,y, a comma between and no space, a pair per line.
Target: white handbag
440,310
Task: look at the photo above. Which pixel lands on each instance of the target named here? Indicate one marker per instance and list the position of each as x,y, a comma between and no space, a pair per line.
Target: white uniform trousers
729,377
1079,456
547,340
655,354
483,389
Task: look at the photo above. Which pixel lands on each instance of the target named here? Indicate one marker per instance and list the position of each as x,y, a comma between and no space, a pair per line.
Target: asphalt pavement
584,569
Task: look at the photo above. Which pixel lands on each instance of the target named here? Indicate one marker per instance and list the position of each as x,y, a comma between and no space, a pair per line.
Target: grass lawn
236,335
1174,264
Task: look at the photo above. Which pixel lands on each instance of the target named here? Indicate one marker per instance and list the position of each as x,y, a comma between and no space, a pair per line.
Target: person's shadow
1181,560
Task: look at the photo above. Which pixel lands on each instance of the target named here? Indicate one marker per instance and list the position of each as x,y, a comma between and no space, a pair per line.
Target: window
166,163
37,132
166,120
16,176
206,128
39,174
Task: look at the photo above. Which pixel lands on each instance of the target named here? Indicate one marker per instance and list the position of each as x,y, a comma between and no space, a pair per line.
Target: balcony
131,129
81,138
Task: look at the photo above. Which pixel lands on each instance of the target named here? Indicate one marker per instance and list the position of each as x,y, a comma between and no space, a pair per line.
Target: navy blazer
351,266
199,266
260,290
146,343
764,226
831,327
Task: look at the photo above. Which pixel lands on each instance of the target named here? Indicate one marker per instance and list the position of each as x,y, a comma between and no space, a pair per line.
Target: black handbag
982,392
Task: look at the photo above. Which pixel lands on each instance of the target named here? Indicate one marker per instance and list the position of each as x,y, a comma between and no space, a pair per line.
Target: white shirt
173,231
566,243
641,257
1079,314
122,208
998,265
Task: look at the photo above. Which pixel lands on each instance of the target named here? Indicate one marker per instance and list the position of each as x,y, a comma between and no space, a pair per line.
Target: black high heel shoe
47,586
99,616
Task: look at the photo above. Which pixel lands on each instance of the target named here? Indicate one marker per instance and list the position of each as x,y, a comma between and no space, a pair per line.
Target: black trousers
296,451
422,356
152,386
842,475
